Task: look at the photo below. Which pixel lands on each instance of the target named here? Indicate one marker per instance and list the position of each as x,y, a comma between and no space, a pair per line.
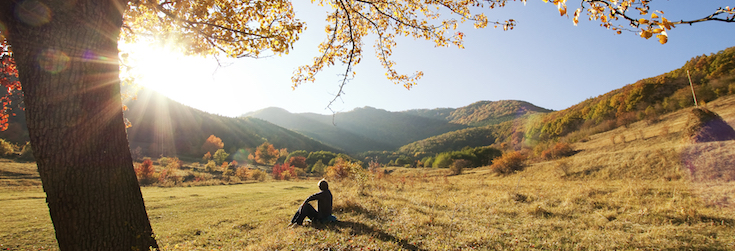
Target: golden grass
414,210
637,192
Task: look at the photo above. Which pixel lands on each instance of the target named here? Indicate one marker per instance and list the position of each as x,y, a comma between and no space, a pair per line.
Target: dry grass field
639,187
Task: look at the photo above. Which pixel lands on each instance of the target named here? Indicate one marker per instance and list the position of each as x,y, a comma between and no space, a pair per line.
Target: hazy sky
545,60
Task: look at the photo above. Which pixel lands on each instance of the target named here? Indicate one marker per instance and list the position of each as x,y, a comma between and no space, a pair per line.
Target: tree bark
67,59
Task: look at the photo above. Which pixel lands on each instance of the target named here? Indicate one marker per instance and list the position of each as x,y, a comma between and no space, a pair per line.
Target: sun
160,68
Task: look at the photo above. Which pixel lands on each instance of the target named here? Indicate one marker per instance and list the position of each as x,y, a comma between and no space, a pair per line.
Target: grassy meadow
638,187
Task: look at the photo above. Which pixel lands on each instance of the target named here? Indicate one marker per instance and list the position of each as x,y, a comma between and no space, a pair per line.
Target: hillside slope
482,113
163,126
328,133
650,151
362,129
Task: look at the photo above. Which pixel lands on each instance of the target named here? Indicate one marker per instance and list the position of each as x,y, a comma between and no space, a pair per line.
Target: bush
443,160
319,167
256,174
298,162
459,165
211,166
145,172
283,172
6,149
229,169
242,173
220,156
26,153
428,161
559,150
343,169
508,163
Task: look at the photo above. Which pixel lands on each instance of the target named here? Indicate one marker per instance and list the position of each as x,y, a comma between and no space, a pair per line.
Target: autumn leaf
646,34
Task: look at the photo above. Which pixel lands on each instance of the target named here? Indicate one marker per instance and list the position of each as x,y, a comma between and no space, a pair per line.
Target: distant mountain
482,113
163,126
362,129
315,126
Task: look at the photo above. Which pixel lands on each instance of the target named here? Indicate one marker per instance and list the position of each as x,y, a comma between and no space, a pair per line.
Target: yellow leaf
646,34
642,21
662,39
653,15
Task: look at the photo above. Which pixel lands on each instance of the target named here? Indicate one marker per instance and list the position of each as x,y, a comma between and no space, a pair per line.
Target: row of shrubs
21,152
170,171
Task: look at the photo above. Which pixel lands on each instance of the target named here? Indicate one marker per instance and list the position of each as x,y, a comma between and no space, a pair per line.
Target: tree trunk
67,59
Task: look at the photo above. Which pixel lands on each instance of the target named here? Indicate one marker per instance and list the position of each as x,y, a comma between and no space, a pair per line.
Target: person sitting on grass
324,203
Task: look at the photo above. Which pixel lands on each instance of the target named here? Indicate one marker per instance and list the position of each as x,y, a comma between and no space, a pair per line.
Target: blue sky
545,60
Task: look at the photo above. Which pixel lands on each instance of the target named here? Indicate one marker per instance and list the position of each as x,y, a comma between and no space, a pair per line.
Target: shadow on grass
357,228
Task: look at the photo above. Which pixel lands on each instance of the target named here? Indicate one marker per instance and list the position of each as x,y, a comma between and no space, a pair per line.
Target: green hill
362,129
316,127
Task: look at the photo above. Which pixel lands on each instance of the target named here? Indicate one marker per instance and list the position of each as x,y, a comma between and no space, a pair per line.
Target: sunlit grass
632,192
411,209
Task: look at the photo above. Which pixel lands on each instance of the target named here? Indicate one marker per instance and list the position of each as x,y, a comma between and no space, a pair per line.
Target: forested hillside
161,126
321,130
713,76
361,129
482,113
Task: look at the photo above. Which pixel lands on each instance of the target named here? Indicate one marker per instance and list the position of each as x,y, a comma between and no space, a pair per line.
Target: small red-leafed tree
298,161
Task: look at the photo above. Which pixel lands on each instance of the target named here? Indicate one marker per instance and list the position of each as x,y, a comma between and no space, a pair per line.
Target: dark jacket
324,199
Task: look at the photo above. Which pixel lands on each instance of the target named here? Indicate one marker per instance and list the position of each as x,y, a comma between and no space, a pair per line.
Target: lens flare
53,61
33,13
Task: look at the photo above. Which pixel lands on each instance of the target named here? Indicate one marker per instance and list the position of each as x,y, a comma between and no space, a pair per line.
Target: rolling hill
163,126
482,113
359,130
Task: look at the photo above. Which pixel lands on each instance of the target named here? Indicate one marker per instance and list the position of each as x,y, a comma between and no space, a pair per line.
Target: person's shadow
362,229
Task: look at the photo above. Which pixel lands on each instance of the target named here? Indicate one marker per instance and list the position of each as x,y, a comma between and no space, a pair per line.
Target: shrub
298,162
459,165
559,150
256,174
229,169
6,149
343,169
508,163
443,160
283,172
207,157
319,167
242,173
145,171
428,161
220,156
172,163
210,166
26,153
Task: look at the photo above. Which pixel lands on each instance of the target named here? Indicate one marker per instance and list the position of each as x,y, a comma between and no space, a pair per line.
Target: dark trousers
305,210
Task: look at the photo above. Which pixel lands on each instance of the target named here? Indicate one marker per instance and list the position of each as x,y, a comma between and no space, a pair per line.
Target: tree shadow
357,228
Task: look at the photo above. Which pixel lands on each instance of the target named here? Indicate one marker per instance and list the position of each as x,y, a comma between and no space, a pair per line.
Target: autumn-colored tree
298,161
283,172
212,144
265,154
220,156
144,171
66,57
207,157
